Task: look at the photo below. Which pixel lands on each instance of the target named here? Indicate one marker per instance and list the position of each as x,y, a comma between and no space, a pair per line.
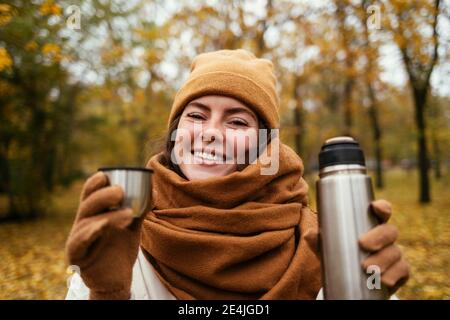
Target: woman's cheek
183,143
241,141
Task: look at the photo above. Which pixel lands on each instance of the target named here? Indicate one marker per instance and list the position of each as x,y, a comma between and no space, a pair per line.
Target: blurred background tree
415,32
45,106
36,108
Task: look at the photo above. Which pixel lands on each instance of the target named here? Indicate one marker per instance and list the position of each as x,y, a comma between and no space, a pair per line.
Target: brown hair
168,145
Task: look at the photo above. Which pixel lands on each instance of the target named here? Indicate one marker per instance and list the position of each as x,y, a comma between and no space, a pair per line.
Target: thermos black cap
340,150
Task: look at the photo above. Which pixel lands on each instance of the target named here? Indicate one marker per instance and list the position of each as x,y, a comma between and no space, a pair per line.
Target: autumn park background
90,83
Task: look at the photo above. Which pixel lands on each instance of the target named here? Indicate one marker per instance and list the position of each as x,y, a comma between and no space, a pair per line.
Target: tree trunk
422,151
435,115
5,182
346,40
260,43
373,110
437,157
298,116
347,105
32,195
376,129
419,86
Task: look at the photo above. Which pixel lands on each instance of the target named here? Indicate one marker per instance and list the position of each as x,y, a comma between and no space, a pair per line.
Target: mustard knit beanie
233,73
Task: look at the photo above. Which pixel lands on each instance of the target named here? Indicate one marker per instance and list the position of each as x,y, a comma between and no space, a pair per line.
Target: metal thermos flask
344,193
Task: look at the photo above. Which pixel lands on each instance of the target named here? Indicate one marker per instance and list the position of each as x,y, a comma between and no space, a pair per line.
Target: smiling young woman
219,228
219,124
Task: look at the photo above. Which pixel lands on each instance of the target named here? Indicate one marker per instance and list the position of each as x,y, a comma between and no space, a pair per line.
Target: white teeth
205,155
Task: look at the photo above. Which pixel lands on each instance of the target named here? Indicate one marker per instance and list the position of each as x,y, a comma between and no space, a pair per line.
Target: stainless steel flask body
344,193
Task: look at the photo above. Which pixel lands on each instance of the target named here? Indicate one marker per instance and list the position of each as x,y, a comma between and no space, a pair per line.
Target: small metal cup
136,184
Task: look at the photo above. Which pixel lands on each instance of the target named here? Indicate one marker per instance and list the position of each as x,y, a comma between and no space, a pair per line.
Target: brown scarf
241,236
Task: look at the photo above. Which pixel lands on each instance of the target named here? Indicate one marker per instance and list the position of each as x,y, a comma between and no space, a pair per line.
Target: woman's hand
104,243
380,242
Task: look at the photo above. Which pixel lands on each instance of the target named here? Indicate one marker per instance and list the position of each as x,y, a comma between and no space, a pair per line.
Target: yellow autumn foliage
6,14
5,60
52,51
49,7
112,55
31,45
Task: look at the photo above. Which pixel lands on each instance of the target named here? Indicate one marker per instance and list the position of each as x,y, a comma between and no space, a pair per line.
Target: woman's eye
239,123
195,116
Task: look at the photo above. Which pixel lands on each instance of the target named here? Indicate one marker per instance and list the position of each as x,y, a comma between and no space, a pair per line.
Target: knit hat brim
232,85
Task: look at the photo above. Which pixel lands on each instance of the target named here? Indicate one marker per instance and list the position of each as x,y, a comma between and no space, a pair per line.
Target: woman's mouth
208,158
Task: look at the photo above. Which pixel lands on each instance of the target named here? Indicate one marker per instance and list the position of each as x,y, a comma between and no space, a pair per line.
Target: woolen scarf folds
240,236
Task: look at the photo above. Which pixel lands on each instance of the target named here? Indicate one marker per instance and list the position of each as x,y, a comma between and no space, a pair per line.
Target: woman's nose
212,134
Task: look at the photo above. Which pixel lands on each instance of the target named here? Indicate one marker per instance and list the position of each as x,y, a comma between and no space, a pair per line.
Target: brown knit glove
104,242
380,242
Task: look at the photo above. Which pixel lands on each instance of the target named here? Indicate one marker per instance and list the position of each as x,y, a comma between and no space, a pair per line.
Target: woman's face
213,132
